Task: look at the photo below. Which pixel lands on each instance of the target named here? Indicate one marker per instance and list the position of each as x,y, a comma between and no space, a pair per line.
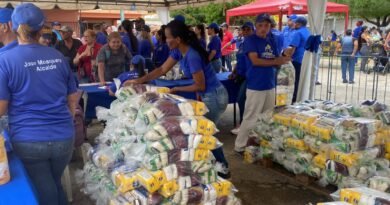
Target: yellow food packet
265,143
163,90
168,189
223,187
160,176
347,159
201,154
208,142
281,99
199,108
205,127
147,180
350,196
319,161
322,133
283,119
296,144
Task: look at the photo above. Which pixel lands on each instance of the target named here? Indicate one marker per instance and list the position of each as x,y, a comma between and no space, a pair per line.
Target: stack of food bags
339,144
155,149
285,84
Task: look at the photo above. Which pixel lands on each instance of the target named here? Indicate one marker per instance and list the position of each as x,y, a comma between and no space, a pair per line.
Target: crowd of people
41,66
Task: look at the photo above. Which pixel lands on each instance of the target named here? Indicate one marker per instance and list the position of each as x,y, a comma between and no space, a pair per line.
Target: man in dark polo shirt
68,46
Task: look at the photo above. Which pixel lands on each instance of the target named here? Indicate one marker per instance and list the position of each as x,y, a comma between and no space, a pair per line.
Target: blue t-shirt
175,54
298,41
356,32
191,63
130,75
126,41
145,48
203,43
261,78
237,40
9,46
36,80
287,36
215,44
334,37
154,40
101,38
242,60
279,38
160,54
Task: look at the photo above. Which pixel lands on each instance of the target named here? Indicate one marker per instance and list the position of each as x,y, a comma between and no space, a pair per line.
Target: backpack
79,122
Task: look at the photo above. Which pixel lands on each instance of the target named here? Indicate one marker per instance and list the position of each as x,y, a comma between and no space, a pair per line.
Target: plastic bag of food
319,161
172,126
350,182
295,144
193,195
313,171
303,121
323,127
317,146
364,196
329,177
128,92
370,108
334,203
379,183
286,115
285,85
252,154
361,127
106,158
384,116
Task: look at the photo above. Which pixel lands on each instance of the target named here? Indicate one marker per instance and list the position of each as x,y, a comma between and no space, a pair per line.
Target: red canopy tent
281,7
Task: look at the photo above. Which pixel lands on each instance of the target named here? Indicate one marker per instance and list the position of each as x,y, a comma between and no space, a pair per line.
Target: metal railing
369,84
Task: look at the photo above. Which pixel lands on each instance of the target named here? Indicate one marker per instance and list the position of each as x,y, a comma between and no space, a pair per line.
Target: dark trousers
241,98
297,67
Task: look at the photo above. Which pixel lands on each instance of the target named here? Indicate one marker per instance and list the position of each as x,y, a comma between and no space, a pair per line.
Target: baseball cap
46,33
213,26
137,59
301,20
292,16
248,24
263,17
56,23
180,18
224,25
28,13
66,29
5,15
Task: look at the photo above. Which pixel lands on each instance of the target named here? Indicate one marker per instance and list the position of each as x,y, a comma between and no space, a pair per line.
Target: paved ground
256,185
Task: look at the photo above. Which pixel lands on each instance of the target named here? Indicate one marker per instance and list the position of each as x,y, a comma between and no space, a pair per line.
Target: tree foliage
376,12
213,12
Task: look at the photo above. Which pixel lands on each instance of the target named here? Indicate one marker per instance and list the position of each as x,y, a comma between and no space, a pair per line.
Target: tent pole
346,20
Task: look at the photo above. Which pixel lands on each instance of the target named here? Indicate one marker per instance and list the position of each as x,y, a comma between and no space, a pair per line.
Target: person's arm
212,55
256,61
355,47
3,107
199,84
72,103
101,68
226,45
76,60
167,66
338,47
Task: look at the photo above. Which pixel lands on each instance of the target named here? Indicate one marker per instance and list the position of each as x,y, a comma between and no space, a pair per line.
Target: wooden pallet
303,179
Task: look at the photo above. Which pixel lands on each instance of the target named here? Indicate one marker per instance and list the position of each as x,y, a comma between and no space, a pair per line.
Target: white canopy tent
316,17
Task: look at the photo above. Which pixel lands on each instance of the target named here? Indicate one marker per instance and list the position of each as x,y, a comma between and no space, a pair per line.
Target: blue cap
213,26
301,20
137,59
248,24
5,15
263,17
28,13
180,18
292,17
56,23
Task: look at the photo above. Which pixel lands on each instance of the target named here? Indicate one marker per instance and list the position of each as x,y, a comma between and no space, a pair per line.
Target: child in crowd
137,70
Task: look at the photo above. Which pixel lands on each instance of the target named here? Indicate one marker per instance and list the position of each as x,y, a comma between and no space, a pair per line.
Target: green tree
213,12
376,12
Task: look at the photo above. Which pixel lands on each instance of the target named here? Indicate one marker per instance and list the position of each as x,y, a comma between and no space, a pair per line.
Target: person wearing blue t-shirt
288,31
38,90
277,35
193,59
7,36
357,30
133,41
298,42
161,52
239,72
101,38
146,47
263,54
200,31
214,47
136,71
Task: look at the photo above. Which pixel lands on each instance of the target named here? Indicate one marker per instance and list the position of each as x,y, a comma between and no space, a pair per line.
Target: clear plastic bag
364,196
128,92
379,183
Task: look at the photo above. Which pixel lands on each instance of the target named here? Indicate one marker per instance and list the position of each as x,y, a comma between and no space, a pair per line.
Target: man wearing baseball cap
7,37
56,29
298,42
68,46
288,30
263,54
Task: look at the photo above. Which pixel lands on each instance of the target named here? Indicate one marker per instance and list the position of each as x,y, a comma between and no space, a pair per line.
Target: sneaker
235,131
352,82
318,83
345,81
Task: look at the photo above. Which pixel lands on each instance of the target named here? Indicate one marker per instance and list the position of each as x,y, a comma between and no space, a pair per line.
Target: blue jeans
227,60
45,162
216,101
216,65
348,62
241,98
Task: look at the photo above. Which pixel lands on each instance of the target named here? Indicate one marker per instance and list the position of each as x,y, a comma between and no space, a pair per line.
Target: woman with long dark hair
161,52
200,31
128,28
195,65
214,47
364,42
146,47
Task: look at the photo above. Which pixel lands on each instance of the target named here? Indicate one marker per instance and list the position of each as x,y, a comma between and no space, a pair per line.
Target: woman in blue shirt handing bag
37,88
194,63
